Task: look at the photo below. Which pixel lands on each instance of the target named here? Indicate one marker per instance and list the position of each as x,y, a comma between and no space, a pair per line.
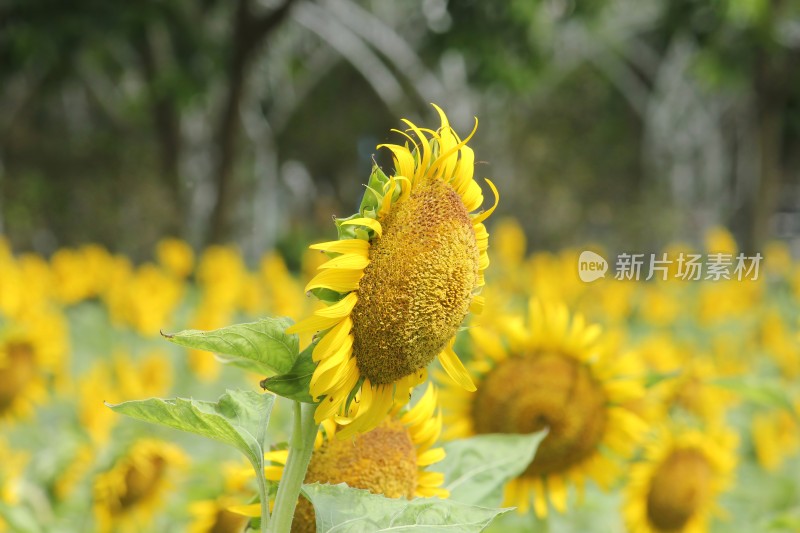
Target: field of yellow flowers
688,421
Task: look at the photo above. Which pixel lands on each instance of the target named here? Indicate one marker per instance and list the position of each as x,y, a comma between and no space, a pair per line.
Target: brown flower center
418,286
140,482
678,489
228,522
382,461
16,372
526,394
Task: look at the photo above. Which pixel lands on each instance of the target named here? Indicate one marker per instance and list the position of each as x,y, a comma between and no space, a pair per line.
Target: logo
591,266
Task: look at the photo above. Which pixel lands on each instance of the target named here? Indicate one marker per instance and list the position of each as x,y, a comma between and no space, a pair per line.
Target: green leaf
758,391
263,347
342,509
348,231
238,418
295,383
326,295
475,469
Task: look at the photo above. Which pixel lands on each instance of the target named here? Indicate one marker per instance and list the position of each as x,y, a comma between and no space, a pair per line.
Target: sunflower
118,379
32,354
776,437
405,272
555,374
127,495
175,256
693,390
674,487
218,514
391,459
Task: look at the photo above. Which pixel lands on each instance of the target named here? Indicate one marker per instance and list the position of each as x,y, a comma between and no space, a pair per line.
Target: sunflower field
419,371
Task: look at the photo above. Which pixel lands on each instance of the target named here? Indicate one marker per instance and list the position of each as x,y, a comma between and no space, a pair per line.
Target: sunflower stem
264,495
301,444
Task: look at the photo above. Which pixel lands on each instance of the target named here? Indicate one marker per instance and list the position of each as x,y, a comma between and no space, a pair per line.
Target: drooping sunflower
392,459
405,272
127,495
673,489
555,374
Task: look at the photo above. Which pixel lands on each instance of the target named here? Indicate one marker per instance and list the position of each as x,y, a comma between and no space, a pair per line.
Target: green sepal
294,384
326,295
373,195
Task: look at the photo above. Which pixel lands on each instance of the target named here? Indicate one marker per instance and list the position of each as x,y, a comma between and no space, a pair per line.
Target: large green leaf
295,383
476,468
238,418
263,347
344,510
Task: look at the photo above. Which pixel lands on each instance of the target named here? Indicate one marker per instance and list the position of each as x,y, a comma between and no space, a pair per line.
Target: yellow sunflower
391,459
673,489
405,272
776,437
217,515
176,256
127,495
115,380
32,354
554,374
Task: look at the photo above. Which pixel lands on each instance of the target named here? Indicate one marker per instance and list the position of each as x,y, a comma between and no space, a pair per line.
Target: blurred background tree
621,122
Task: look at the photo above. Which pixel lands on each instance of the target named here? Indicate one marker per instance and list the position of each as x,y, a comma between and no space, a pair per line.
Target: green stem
301,444
262,489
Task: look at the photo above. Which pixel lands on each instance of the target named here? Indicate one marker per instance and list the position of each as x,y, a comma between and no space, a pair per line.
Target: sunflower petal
346,262
483,216
371,223
277,456
403,160
455,369
273,473
434,455
431,492
344,246
336,280
558,492
332,340
313,323
252,510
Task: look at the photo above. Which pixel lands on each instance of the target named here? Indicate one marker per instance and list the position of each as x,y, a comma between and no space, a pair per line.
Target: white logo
591,266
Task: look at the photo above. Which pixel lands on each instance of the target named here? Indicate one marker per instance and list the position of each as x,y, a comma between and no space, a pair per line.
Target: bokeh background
164,165
628,123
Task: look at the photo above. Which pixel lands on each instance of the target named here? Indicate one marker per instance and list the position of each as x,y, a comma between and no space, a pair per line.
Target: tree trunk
771,98
249,32
166,122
